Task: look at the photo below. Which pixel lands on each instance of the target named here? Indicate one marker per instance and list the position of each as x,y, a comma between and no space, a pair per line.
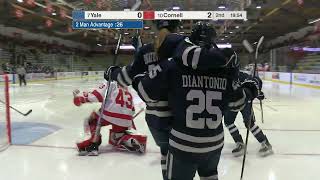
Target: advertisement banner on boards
307,79
275,75
286,77
268,75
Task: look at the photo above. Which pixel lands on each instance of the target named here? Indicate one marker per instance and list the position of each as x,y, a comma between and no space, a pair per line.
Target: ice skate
137,146
239,150
266,149
82,152
93,149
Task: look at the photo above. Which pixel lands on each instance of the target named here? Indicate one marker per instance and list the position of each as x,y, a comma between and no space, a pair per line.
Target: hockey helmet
232,60
203,34
171,25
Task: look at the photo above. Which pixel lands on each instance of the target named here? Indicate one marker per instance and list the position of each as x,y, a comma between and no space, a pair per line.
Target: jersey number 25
204,103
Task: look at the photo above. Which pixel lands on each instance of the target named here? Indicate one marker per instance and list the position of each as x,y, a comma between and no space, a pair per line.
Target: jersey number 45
204,104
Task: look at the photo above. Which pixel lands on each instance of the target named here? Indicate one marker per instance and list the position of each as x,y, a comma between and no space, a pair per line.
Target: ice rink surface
292,124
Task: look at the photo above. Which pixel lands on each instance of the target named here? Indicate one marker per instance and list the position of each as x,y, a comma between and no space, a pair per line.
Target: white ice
292,125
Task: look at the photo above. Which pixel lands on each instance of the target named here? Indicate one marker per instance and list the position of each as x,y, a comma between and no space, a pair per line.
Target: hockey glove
78,100
259,81
251,88
109,71
261,96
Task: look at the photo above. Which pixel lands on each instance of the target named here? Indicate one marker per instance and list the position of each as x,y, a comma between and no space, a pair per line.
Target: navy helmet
171,25
232,60
203,34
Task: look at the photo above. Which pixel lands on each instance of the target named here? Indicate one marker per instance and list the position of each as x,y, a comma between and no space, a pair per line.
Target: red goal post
5,120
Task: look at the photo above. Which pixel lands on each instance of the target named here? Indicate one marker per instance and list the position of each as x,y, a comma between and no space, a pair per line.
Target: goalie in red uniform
118,112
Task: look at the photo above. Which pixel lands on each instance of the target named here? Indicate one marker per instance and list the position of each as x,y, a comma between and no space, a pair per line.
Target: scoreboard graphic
134,19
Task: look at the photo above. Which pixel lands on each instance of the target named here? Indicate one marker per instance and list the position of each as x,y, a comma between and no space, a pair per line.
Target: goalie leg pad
90,124
132,142
127,141
116,133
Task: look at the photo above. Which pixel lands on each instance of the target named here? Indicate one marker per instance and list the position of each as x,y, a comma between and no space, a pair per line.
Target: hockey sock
164,166
234,131
258,134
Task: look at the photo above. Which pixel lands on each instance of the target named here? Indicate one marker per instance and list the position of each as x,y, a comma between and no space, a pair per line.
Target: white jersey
118,109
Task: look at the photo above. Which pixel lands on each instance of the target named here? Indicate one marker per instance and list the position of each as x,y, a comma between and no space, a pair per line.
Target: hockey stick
257,52
250,49
98,127
24,114
137,114
261,107
247,45
246,144
117,49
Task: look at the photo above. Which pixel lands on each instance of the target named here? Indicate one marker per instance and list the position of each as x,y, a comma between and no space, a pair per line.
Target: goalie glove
77,98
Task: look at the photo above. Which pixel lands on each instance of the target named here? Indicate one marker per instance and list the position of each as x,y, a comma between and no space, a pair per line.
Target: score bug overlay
107,24
132,19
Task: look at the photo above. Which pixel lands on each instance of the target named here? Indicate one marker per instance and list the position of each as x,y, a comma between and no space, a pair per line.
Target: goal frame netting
6,114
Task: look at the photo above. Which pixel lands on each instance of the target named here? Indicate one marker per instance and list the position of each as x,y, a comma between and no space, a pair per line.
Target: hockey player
147,57
247,114
118,112
199,91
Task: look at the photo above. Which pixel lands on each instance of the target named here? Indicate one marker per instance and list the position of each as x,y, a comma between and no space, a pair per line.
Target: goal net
5,126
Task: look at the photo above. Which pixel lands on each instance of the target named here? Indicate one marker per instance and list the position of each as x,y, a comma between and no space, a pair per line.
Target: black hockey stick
254,72
250,49
261,107
246,143
137,114
117,49
24,114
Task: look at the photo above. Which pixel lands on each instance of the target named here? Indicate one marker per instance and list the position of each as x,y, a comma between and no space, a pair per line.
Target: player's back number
204,104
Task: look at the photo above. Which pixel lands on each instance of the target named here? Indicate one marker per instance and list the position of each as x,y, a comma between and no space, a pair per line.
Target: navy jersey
197,95
144,60
198,57
169,45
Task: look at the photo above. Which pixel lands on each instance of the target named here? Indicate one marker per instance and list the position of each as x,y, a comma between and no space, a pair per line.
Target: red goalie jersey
118,109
